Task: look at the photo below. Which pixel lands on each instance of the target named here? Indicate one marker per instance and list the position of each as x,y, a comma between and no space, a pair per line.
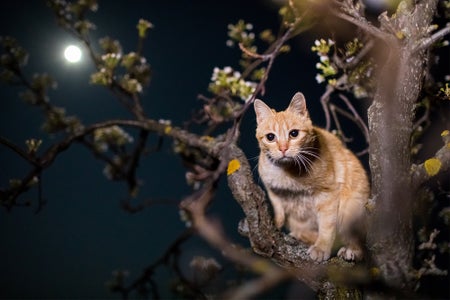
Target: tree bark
391,116
390,229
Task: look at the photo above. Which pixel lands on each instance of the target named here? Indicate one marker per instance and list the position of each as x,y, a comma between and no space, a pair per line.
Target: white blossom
320,78
324,58
164,122
228,69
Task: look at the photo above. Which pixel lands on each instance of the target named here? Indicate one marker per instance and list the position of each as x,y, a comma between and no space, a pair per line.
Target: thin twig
424,119
341,133
356,117
325,99
49,156
260,88
147,274
255,287
361,54
429,41
358,20
128,207
420,174
4,141
135,158
41,200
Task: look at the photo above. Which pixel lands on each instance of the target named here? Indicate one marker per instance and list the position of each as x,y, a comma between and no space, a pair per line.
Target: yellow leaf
260,266
400,35
233,166
375,272
167,129
445,133
207,138
134,192
432,166
370,206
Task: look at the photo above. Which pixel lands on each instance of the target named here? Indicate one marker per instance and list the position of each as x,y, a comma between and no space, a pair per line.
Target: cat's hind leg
352,232
352,237
304,231
351,252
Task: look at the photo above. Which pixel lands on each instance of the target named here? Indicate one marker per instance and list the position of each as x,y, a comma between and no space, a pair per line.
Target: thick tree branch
258,226
433,166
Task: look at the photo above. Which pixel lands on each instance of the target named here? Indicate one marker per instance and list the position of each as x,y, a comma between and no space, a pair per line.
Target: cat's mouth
285,161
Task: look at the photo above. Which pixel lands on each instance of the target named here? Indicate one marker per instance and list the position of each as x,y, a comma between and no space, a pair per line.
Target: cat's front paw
350,254
318,254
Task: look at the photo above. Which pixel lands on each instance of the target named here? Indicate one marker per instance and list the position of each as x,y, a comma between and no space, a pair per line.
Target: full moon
72,54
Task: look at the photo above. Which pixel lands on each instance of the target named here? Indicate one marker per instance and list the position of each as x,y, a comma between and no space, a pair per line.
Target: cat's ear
262,110
298,104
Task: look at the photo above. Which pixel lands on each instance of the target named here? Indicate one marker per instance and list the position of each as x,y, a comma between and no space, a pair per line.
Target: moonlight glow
72,54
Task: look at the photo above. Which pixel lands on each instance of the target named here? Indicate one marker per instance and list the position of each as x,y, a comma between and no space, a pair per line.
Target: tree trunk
391,116
390,120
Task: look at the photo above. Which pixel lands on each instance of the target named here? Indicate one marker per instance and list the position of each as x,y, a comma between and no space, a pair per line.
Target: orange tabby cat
316,186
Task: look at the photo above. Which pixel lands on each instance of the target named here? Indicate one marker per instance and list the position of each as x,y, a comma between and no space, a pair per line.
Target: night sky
71,247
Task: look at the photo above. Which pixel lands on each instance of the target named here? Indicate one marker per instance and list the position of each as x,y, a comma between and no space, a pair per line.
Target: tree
389,61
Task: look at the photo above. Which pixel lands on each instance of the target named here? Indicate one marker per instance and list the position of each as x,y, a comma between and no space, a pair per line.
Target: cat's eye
293,133
270,137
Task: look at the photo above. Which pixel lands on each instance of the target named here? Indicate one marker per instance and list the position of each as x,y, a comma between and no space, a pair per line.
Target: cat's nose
283,147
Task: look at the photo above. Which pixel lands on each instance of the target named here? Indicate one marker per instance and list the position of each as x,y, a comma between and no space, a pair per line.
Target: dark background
71,247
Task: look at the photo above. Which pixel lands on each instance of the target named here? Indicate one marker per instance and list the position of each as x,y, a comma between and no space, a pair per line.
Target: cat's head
283,136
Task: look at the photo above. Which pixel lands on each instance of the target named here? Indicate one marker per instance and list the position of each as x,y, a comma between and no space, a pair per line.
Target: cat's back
348,169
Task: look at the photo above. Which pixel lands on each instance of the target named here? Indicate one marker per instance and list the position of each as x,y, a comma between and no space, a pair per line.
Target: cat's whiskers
252,159
305,157
255,168
255,158
303,162
311,151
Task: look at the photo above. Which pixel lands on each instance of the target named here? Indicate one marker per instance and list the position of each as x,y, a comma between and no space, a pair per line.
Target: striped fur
317,187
